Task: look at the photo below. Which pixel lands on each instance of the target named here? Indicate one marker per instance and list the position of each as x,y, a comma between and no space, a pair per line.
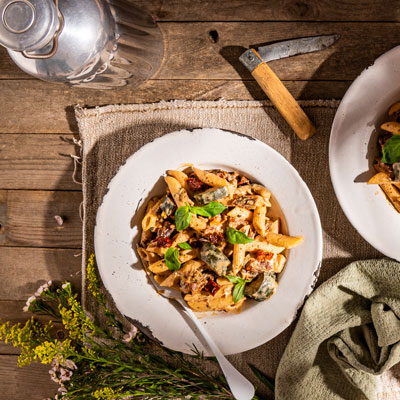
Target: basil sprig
185,246
391,150
183,215
238,290
171,258
236,237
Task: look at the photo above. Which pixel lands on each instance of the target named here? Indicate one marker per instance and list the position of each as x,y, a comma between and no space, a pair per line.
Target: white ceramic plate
122,210
352,150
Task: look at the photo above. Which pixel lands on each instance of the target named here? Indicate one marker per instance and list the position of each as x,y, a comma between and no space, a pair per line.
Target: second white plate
352,150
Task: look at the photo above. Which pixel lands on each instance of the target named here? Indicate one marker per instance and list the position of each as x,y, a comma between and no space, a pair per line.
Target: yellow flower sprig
54,350
26,338
106,393
93,280
73,317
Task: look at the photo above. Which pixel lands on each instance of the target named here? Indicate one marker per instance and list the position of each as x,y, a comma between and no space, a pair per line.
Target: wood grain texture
189,44
27,219
54,113
28,268
37,162
27,383
272,10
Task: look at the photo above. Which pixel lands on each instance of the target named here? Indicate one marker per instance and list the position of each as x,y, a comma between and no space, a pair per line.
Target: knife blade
256,62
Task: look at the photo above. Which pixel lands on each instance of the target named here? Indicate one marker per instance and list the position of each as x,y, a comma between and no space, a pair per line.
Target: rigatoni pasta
211,237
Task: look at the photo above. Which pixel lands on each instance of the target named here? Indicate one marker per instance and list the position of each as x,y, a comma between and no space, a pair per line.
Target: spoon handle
240,387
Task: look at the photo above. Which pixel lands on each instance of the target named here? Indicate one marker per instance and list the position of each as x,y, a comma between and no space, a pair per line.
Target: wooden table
203,40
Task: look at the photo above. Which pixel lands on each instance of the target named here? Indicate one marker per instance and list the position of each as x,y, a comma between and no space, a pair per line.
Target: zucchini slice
262,287
215,258
167,205
213,194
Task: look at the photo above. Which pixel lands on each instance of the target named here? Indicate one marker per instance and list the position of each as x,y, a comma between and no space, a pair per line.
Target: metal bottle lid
27,25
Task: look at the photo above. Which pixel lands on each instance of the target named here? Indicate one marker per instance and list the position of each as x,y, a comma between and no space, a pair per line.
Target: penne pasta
241,213
283,240
150,219
180,176
264,246
260,213
179,194
388,161
239,252
209,178
209,233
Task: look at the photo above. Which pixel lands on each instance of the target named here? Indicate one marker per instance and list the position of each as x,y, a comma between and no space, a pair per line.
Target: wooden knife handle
283,101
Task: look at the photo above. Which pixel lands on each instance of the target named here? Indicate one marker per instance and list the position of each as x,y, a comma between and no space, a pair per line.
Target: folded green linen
348,332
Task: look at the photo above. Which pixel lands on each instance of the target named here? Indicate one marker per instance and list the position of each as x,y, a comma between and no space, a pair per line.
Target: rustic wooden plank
25,269
271,10
30,382
190,44
54,113
37,162
27,219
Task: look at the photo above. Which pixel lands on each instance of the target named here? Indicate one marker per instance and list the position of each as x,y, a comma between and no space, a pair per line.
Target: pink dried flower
130,335
59,220
43,288
28,303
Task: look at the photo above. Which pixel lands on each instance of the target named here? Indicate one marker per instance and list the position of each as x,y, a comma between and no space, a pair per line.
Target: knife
256,62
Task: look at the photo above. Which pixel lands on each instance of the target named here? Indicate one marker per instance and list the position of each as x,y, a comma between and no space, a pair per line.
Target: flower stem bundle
97,362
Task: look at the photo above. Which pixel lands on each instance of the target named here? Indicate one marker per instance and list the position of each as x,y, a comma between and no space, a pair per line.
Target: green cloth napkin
348,332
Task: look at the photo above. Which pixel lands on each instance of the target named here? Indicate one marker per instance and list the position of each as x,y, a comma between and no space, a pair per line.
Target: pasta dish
387,164
212,237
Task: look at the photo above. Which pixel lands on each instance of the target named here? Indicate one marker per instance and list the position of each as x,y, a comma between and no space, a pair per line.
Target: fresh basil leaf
214,208
391,150
183,216
209,210
233,279
236,279
171,258
238,292
236,237
200,211
185,246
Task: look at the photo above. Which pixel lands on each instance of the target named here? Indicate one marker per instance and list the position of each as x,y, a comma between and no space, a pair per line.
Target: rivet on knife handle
278,94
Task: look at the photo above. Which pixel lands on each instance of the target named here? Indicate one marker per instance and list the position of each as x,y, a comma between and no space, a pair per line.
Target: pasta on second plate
387,164
210,236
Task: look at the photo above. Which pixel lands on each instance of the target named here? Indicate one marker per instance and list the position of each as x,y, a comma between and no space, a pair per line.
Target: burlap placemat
111,134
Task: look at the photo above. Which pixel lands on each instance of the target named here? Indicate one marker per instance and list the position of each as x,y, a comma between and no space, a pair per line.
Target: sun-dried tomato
262,255
215,238
195,183
211,287
165,230
164,241
243,181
